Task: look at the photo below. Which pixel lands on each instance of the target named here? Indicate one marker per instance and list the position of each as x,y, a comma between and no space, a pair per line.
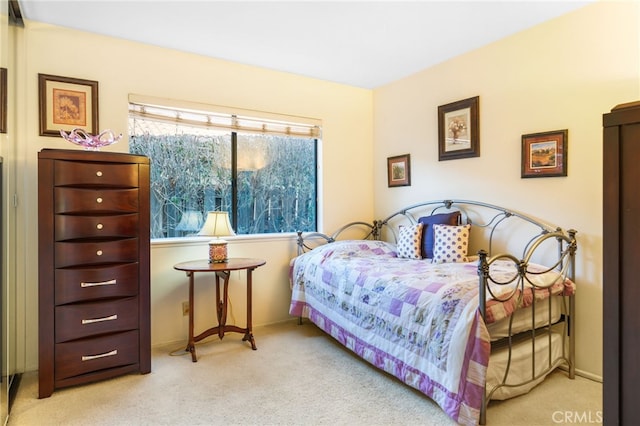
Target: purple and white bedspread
413,319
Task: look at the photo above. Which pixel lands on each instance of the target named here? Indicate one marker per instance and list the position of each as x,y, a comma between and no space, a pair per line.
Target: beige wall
563,74
122,68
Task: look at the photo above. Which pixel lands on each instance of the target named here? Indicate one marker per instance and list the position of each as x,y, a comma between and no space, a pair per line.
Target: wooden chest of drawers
94,313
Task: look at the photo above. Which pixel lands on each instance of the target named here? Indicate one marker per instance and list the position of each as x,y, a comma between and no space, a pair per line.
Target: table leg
191,346
249,335
222,302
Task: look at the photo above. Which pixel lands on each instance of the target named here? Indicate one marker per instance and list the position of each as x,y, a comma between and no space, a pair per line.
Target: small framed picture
67,103
458,129
399,170
544,154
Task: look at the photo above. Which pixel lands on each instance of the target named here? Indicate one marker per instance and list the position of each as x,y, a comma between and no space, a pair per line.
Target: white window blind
219,117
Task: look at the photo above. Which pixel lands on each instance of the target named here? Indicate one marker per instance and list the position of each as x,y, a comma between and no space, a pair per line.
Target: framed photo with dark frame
67,103
544,154
3,100
399,170
458,129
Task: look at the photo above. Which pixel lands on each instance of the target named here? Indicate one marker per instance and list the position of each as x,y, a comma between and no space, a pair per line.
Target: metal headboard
494,217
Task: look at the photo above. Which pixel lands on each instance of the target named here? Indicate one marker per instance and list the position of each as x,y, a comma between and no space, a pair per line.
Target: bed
465,301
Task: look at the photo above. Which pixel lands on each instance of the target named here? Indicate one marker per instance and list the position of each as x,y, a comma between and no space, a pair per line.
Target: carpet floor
298,376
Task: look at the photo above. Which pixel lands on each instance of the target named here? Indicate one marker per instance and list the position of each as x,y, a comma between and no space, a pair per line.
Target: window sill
197,241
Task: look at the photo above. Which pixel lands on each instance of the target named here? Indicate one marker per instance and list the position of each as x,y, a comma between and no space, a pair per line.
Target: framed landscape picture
458,129
399,170
67,103
544,154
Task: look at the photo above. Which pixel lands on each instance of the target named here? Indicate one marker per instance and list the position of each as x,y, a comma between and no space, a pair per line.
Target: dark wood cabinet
621,248
93,265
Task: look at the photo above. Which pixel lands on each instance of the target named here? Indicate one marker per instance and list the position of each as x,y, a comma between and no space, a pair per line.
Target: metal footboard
566,266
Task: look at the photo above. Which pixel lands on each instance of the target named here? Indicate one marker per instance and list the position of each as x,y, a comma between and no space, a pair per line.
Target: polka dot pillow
451,243
410,241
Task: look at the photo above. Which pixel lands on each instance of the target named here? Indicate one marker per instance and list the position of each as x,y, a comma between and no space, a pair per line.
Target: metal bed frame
492,220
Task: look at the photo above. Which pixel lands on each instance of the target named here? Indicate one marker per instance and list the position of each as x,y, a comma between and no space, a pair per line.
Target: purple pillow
452,218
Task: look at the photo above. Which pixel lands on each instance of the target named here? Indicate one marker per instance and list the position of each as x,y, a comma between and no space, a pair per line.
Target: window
263,172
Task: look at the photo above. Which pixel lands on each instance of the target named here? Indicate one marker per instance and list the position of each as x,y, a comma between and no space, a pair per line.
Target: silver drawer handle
93,320
90,357
99,253
99,173
99,200
110,282
99,226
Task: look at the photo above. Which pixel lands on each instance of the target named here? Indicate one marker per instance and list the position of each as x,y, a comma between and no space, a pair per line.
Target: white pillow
451,243
410,241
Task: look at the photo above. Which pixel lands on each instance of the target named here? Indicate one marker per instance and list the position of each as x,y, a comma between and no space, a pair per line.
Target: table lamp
217,225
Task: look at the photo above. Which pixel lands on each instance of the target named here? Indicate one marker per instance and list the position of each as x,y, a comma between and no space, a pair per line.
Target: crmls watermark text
577,417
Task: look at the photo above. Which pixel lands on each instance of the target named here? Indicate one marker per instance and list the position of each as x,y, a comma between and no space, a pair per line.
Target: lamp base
217,251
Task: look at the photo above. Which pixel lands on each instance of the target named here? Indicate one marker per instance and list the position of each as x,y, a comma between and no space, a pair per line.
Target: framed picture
399,170
3,100
67,103
458,129
544,154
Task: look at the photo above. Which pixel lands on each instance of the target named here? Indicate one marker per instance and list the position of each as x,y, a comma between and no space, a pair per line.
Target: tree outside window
267,183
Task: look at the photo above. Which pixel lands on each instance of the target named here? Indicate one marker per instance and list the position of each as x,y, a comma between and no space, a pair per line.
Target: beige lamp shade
217,225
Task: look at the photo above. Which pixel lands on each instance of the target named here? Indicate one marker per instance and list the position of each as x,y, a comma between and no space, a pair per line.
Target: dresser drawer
88,201
91,283
71,173
70,227
93,354
95,253
90,319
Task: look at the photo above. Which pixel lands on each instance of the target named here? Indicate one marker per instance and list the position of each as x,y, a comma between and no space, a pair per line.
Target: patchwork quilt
413,319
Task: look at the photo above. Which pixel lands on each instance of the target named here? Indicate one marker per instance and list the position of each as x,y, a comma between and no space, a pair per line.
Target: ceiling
360,43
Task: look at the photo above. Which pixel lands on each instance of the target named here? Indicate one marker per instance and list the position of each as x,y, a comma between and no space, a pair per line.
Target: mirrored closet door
10,19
